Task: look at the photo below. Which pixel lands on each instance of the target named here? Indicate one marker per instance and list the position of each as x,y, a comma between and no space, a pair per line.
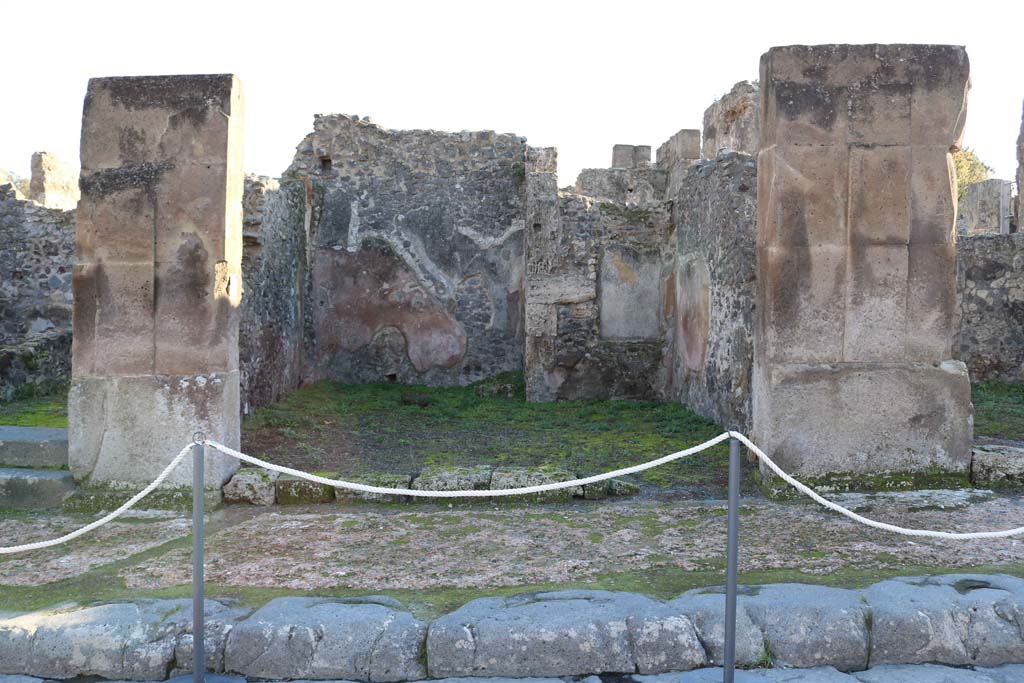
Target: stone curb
814,633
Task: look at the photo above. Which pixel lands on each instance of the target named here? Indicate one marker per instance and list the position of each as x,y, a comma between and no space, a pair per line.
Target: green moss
36,406
94,499
999,409
930,478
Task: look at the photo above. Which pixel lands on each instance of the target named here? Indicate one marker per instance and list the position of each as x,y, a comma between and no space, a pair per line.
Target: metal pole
198,588
732,561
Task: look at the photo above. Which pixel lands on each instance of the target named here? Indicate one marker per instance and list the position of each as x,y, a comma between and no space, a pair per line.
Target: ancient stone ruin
817,294
157,279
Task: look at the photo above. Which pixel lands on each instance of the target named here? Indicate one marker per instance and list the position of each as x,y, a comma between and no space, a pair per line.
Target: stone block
808,626
924,673
806,195
932,302
879,203
124,328
562,634
252,486
932,195
706,609
384,480
126,429
997,465
116,214
146,120
814,420
31,489
876,303
879,113
54,184
521,477
359,639
191,223
33,447
957,620
293,490
804,303
453,478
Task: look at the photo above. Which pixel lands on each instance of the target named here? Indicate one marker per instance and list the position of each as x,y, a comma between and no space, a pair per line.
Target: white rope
128,504
523,490
489,493
813,495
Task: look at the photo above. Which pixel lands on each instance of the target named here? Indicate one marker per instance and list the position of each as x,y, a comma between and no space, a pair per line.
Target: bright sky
579,76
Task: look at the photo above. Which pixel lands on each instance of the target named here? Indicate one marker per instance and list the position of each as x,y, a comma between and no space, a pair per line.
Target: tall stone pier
157,281
856,260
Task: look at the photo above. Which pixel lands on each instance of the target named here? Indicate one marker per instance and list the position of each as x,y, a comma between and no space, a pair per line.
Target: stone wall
270,338
853,365
1020,177
709,346
733,121
36,258
415,251
990,279
985,208
596,274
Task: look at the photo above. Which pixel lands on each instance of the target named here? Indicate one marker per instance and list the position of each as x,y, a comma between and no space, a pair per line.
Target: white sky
578,76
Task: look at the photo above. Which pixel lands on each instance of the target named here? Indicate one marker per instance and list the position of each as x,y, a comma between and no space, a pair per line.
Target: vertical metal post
198,579
732,561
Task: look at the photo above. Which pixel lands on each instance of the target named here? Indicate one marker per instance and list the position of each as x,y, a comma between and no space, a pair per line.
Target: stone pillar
856,260
158,280
732,121
631,156
54,184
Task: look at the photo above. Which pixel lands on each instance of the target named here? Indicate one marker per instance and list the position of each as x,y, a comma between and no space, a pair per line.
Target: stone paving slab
33,446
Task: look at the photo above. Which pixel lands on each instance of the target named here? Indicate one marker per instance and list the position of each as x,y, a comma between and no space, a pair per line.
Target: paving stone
364,639
27,489
714,675
295,491
706,609
218,621
561,634
807,626
1010,673
252,486
33,447
923,673
956,619
133,640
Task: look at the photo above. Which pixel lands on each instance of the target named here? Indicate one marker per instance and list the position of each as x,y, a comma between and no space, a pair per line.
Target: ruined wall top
631,156
54,184
733,121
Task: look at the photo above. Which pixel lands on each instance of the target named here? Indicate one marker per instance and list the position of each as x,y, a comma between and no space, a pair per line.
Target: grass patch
363,428
999,409
47,410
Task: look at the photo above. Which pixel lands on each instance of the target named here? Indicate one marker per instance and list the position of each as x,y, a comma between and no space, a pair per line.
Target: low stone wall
990,280
709,348
952,620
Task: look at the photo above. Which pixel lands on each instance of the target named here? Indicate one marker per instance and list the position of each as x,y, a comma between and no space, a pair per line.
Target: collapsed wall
990,280
709,351
414,243
853,368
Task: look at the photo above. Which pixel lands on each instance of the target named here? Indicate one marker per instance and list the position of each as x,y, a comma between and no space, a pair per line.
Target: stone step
33,446
28,489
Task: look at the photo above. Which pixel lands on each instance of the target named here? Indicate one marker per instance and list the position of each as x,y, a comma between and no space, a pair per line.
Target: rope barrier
523,490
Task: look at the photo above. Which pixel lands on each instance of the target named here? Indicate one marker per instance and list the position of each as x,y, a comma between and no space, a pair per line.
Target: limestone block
382,479
22,488
191,219
805,189
136,122
291,490
706,609
805,302
123,315
453,478
932,195
359,639
876,303
520,477
115,215
819,417
879,113
33,446
931,301
126,429
879,203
